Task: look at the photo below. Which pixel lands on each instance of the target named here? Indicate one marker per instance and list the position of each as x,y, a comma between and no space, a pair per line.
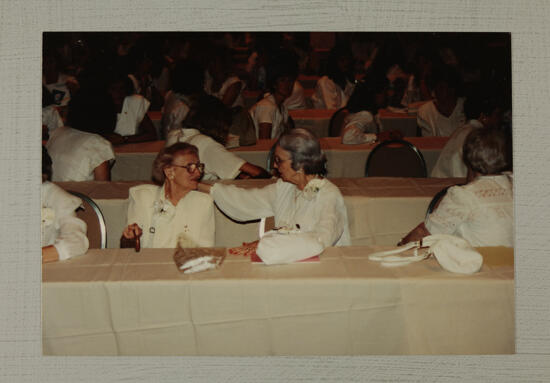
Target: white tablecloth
134,162
118,302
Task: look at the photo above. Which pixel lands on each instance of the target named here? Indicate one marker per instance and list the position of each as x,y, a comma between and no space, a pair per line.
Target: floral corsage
312,188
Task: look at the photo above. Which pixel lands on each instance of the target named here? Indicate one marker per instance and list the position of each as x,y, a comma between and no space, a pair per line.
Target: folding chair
396,158
90,213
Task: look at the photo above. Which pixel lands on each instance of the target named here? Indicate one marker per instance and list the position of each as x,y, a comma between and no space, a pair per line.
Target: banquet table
118,302
133,162
380,210
403,120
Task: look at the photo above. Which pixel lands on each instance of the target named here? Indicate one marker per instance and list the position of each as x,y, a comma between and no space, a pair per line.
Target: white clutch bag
454,254
285,245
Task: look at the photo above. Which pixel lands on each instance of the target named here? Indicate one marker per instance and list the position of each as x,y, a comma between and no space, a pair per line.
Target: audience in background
334,89
270,115
208,130
482,112
443,115
181,100
78,150
132,122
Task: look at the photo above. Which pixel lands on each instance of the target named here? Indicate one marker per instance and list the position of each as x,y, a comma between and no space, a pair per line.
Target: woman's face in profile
282,161
183,178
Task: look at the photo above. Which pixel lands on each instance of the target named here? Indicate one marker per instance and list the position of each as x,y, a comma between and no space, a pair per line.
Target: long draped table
134,162
118,302
380,210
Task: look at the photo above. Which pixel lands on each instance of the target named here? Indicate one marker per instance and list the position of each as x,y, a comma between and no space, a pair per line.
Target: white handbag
286,245
454,254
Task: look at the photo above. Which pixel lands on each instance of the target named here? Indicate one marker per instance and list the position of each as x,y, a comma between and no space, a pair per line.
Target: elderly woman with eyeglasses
306,206
174,212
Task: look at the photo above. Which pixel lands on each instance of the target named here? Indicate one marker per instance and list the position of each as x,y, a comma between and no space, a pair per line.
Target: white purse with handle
454,254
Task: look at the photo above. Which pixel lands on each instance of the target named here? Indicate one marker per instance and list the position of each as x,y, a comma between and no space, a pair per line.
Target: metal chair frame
99,214
400,142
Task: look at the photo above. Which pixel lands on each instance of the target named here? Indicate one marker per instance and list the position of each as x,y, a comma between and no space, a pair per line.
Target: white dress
319,210
60,226
450,163
359,128
296,100
329,95
218,162
164,224
75,154
239,100
481,212
174,111
433,123
267,111
134,108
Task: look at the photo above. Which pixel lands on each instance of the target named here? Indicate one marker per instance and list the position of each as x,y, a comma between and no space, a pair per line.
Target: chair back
396,158
337,122
92,215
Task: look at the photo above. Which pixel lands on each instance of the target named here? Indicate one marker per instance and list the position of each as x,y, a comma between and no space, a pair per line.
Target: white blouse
133,111
433,123
60,226
319,209
218,162
163,224
267,111
239,100
481,212
297,99
75,154
329,95
359,128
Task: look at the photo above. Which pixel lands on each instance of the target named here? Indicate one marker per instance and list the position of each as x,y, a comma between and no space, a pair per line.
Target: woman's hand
131,237
132,231
415,234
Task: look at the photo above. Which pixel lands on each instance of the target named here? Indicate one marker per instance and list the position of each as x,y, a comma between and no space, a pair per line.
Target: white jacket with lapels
162,223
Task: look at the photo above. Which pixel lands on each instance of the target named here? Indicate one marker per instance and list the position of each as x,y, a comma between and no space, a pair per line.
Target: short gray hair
487,151
305,151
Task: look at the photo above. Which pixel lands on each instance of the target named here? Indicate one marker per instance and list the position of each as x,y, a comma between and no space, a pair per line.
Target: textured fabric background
21,26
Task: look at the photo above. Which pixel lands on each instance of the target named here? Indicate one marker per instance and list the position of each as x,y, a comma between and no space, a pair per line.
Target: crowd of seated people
99,88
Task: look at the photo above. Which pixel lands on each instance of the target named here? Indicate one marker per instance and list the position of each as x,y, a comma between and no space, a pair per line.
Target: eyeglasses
192,167
278,160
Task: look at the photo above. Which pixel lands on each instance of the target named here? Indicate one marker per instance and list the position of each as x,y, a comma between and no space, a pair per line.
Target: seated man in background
482,211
